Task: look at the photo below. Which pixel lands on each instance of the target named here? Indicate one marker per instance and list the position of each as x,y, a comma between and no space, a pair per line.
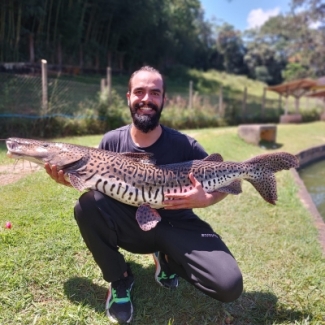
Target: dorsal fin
143,157
214,157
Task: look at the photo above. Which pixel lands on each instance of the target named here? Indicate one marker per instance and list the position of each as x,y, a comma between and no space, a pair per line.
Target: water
313,177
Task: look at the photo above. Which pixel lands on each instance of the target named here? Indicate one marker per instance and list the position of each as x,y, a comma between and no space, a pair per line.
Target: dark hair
149,69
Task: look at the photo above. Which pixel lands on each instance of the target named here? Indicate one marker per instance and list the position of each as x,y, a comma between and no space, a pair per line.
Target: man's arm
196,198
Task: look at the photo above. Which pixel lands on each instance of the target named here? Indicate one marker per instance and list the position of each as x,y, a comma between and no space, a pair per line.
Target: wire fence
21,96
69,102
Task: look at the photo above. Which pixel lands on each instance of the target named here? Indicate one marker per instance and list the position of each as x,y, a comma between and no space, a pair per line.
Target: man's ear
128,97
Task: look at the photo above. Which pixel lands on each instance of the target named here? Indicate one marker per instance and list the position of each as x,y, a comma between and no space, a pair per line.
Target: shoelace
121,293
165,276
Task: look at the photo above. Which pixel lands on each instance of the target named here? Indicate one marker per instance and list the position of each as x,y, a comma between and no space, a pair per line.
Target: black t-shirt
171,147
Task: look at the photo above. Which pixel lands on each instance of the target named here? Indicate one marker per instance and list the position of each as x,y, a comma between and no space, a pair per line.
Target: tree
295,70
95,33
308,18
265,56
230,45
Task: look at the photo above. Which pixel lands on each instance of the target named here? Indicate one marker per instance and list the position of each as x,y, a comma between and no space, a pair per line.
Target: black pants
195,252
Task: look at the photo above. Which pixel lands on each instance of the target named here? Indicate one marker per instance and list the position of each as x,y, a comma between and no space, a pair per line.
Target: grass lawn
47,276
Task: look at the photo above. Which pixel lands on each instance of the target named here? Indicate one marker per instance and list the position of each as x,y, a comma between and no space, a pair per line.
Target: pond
313,177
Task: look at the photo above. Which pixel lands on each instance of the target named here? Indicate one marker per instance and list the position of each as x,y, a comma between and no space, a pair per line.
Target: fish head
40,152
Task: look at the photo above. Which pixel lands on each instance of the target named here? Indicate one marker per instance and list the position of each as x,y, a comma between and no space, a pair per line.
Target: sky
243,14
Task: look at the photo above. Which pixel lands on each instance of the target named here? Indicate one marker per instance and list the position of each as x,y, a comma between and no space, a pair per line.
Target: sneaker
163,274
119,308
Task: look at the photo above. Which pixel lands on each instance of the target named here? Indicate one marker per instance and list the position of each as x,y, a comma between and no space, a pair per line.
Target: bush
310,115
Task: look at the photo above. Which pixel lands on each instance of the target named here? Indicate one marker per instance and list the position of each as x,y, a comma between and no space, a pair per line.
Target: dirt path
13,172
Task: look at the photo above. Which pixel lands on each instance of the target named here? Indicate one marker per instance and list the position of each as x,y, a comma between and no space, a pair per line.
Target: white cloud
315,25
257,17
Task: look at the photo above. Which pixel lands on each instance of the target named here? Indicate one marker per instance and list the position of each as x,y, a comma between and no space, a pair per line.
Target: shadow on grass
83,291
262,308
186,305
269,145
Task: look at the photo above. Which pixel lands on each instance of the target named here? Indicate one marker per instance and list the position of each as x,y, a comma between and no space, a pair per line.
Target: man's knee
85,205
230,290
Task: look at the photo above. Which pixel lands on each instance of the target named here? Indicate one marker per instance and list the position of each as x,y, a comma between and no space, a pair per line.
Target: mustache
149,104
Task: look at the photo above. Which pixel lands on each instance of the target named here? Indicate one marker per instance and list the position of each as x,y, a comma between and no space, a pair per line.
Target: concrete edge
306,157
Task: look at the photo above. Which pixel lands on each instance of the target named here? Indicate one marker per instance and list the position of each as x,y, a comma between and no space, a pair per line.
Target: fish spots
125,191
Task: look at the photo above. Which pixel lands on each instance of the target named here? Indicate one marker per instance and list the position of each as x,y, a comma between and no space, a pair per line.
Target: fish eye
45,145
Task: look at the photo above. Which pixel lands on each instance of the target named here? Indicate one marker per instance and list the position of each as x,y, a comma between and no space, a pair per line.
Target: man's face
146,100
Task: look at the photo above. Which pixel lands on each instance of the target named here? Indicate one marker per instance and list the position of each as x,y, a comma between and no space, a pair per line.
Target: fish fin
147,217
143,157
216,157
276,161
233,188
266,187
76,182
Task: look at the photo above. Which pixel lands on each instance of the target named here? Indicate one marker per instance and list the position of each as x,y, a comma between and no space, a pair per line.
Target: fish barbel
134,178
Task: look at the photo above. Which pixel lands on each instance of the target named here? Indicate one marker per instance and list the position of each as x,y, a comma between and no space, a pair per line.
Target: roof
295,88
319,94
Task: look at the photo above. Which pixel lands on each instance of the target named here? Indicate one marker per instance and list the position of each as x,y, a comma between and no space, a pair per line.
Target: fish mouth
15,151
11,144
12,148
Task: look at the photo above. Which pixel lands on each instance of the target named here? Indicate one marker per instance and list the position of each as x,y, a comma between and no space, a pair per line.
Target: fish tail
262,170
275,161
266,187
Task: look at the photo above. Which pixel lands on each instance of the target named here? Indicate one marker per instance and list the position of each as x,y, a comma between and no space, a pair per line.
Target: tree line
169,34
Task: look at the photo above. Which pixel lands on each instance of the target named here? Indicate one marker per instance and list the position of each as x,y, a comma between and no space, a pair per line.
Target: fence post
297,99
102,85
44,87
190,100
280,102
109,81
221,112
263,103
287,105
244,104
44,109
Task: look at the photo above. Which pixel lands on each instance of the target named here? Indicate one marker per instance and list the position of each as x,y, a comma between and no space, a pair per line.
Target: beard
144,122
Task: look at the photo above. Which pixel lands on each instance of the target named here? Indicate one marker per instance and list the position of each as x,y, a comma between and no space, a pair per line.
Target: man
181,243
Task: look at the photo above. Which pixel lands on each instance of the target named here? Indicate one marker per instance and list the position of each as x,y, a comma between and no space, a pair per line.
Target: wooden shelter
318,94
296,88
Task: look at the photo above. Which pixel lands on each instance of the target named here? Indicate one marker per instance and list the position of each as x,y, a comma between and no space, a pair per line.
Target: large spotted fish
134,178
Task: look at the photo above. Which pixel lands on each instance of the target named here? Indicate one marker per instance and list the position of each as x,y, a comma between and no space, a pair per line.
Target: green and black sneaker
163,274
119,308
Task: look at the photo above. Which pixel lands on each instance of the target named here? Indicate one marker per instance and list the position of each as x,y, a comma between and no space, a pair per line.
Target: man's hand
58,176
196,198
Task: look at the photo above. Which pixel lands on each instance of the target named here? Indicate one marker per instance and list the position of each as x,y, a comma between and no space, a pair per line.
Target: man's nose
146,97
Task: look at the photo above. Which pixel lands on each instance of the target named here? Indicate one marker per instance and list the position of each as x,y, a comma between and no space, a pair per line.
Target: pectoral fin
147,217
77,182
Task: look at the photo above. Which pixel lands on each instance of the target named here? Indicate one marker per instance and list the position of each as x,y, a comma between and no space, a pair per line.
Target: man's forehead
147,79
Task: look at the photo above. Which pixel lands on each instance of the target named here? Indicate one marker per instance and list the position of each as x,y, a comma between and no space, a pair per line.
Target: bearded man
182,244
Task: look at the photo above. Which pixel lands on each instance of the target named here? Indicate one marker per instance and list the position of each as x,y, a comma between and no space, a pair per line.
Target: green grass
47,276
